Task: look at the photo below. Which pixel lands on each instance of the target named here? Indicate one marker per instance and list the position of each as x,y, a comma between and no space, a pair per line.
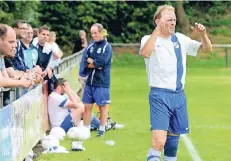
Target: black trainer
110,126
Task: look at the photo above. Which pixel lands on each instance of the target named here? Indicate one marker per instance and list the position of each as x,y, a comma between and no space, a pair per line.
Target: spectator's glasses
22,28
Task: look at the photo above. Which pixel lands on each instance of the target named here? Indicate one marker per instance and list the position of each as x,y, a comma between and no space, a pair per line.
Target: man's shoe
110,126
100,133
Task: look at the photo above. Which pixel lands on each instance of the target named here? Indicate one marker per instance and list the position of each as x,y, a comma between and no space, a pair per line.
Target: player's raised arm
200,30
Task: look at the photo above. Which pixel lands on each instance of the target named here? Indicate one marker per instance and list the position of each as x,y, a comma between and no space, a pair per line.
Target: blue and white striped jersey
166,67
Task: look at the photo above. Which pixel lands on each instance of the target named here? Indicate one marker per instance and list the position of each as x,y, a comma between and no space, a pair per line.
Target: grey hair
99,26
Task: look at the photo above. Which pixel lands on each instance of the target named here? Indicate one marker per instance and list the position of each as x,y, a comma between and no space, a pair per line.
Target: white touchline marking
191,149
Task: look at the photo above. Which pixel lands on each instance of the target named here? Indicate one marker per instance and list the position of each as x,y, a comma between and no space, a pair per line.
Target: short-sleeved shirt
161,66
30,55
57,109
54,61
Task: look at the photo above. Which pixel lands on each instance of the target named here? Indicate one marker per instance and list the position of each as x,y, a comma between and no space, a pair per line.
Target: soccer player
98,66
165,57
63,111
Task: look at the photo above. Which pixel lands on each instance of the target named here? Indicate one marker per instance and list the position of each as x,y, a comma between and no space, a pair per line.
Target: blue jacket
101,53
18,60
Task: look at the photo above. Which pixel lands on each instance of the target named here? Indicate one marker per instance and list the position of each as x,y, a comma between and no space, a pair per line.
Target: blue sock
95,122
170,148
153,155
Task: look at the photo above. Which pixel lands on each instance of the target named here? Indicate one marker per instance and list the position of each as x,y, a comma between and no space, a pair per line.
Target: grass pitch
208,90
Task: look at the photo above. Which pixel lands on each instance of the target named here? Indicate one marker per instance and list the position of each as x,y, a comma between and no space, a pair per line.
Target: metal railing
224,46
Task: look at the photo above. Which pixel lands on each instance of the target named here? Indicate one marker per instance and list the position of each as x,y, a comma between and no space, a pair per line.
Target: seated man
66,112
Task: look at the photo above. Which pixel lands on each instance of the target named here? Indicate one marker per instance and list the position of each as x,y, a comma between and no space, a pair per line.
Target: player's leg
102,98
109,120
103,119
67,123
178,125
87,115
88,104
159,119
77,114
158,139
171,147
95,123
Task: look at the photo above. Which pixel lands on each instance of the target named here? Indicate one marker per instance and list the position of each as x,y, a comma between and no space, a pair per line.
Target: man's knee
88,107
158,139
158,144
81,107
171,145
103,108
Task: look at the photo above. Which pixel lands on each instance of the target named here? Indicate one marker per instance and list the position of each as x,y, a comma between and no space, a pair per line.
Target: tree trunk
182,18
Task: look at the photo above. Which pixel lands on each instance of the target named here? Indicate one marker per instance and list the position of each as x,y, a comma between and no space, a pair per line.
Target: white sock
153,155
101,128
169,158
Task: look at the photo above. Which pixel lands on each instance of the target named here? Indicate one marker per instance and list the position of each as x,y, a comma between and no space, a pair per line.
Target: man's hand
25,82
90,60
66,87
44,74
199,29
36,77
82,79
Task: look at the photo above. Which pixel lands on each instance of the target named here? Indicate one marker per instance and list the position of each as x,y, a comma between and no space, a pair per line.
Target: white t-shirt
2,63
47,49
161,66
54,62
57,109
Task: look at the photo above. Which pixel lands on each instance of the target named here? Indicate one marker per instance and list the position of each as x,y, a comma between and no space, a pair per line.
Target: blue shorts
168,111
67,123
98,95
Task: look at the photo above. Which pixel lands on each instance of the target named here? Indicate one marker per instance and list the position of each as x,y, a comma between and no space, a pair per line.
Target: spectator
56,51
35,32
8,48
81,42
44,52
20,28
30,53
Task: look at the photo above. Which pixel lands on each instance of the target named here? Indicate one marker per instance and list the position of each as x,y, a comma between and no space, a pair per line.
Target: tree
182,18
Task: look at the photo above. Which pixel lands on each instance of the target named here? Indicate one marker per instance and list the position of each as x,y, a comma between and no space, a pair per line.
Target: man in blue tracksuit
97,65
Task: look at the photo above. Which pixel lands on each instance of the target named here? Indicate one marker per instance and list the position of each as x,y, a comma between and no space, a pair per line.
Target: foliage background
126,21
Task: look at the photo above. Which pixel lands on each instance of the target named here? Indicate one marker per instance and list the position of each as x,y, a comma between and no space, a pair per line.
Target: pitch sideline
191,149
